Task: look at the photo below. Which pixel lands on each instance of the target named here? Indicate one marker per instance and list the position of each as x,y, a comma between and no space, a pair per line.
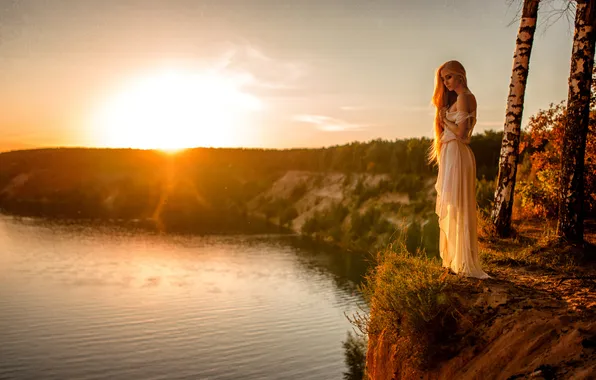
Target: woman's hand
442,113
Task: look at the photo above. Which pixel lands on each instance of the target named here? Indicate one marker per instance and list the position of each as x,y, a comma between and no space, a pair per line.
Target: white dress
456,201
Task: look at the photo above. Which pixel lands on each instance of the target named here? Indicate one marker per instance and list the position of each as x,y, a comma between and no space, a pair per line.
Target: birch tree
571,215
503,201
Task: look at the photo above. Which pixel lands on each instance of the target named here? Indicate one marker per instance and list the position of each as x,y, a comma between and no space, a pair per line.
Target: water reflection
354,356
102,302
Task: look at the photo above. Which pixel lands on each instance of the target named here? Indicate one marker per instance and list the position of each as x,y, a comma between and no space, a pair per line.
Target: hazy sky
268,73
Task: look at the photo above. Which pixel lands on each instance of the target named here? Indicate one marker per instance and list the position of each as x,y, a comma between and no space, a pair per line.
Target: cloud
402,108
328,124
259,69
354,108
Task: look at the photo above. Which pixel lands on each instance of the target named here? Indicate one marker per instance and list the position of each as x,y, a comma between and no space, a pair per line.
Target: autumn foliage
541,147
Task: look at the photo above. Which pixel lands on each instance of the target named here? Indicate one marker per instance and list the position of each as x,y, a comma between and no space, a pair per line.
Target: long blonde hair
443,98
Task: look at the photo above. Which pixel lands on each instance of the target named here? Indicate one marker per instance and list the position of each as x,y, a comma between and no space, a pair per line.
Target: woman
456,183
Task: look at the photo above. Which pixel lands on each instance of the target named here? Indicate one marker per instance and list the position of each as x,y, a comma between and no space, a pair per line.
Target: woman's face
449,80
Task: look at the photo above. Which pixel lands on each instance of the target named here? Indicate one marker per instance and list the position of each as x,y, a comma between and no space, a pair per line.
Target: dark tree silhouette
571,213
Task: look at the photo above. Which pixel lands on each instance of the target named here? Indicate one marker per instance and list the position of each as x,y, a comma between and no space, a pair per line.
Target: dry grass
424,320
533,245
412,304
534,257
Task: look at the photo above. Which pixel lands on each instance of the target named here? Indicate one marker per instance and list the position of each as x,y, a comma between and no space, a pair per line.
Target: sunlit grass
420,315
534,245
411,303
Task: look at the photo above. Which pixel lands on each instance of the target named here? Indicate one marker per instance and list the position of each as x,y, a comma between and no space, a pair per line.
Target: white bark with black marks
503,203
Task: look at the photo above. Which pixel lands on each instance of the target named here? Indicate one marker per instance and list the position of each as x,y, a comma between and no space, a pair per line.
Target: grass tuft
537,247
410,304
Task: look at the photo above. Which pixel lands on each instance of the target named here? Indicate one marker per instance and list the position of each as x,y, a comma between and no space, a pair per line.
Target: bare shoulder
466,102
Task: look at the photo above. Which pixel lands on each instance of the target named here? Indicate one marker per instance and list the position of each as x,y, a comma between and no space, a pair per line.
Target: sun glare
174,110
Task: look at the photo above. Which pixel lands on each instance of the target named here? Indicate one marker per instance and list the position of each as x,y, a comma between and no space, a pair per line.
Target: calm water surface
80,302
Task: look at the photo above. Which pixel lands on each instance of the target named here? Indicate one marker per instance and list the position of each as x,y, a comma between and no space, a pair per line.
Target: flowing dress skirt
456,208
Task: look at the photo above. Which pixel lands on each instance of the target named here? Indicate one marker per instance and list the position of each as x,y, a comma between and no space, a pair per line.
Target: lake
104,302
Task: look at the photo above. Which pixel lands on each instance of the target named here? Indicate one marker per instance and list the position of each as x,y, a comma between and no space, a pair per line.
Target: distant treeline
202,187
378,156
396,157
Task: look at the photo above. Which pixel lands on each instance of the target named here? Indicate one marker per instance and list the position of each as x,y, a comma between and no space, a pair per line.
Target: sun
172,110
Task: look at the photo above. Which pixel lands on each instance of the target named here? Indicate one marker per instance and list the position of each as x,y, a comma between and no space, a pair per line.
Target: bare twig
551,16
557,9
518,11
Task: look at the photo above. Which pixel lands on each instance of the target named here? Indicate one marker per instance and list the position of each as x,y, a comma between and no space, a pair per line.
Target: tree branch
557,9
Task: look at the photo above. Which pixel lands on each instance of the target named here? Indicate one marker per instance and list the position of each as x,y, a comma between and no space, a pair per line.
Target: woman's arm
461,129
451,126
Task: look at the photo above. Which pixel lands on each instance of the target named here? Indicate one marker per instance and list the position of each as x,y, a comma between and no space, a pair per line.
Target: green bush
327,222
485,191
369,230
410,301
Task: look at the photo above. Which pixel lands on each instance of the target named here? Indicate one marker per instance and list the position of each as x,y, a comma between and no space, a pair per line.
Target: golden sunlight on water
102,303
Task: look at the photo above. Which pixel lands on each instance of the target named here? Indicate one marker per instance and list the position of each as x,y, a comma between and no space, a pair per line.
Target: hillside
535,319
323,193
356,211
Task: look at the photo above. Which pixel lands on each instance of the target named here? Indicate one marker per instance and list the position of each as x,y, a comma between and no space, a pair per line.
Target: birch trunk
503,202
571,218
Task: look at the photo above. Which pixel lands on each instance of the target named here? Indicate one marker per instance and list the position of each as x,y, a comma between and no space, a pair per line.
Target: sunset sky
256,73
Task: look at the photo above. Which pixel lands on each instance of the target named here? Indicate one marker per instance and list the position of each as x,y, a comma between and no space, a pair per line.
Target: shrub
485,191
369,229
327,222
542,144
410,303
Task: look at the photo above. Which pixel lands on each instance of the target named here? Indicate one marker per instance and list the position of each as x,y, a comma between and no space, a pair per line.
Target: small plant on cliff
411,305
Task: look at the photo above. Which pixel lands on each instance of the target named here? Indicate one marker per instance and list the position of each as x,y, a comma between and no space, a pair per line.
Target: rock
536,374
